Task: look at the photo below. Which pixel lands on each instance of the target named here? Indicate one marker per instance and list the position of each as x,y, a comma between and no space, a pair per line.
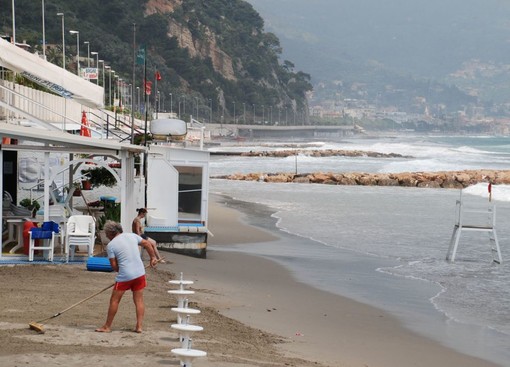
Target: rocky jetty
445,179
313,153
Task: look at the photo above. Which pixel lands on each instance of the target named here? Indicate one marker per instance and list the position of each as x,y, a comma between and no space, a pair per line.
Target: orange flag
84,130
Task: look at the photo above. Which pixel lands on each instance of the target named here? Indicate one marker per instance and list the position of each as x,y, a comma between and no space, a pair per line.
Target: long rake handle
83,300
78,303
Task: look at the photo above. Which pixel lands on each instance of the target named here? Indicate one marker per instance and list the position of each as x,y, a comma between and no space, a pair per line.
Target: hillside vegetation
213,56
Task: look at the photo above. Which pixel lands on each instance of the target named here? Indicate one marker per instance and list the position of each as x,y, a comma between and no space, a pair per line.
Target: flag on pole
148,88
140,56
489,188
158,76
85,130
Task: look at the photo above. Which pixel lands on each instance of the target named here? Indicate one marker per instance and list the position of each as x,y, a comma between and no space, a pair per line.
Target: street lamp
88,52
77,33
63,41
210,110
254,114
43,33
97,65
234,112
13,23
244,113
171,104
138,104
110,83
101,61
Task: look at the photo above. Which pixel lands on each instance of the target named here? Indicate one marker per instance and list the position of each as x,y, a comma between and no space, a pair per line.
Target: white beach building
42,159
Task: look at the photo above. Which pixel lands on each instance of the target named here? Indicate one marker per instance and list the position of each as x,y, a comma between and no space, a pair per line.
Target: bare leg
112,311
140,309
155,247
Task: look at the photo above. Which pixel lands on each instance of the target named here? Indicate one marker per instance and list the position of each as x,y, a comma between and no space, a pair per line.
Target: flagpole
146,118
133,87
156,94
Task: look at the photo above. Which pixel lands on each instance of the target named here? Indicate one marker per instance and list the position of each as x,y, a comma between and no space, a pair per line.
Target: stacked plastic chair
184,327
81,231
43,239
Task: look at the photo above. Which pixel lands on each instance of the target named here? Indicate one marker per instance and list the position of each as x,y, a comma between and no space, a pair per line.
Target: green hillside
211,54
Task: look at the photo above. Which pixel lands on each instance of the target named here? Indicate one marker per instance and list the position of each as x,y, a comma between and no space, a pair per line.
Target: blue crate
99,264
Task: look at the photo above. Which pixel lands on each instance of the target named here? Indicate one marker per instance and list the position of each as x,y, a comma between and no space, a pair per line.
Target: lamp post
101,61
97,65
88,52
254,114
63,41
210,110
13,23
234,112
77,33
110,85
244,113
171,104
43,33
138,104
263,122
196,101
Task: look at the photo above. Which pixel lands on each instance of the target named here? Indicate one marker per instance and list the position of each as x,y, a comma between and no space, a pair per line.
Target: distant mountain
423,41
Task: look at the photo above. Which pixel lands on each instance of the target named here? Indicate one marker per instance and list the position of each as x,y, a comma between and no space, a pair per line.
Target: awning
61,139
51,76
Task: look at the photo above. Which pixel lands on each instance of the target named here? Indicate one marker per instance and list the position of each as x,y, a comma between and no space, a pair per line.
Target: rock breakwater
313,153
444,179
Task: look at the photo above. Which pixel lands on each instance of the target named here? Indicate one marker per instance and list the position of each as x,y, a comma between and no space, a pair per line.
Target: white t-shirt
124,248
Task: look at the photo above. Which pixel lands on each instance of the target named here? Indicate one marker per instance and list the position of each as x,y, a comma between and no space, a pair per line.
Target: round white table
188,355
185,332
181,294
182,312
181,283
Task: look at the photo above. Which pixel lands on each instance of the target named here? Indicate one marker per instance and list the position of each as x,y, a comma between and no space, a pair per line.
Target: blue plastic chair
43,239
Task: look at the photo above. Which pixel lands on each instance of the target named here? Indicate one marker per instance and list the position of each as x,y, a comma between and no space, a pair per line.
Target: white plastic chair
81,231
43,239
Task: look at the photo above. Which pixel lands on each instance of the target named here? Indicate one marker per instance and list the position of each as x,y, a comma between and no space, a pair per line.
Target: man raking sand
125,258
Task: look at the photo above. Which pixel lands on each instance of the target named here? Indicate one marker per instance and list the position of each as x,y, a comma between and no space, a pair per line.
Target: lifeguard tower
474,218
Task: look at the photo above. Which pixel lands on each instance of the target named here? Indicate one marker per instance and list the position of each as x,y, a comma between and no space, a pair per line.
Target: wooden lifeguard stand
479,219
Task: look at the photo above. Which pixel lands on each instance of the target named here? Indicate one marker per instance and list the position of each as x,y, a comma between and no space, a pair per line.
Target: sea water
386,246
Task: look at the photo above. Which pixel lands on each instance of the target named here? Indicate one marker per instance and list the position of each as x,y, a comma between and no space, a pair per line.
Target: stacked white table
184,327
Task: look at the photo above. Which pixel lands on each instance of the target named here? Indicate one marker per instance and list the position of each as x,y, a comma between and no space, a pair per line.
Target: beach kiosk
177,199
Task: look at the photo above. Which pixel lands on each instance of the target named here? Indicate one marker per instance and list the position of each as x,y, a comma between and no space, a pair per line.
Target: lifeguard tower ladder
479,220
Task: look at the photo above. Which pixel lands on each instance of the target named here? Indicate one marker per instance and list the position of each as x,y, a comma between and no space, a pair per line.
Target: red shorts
136,284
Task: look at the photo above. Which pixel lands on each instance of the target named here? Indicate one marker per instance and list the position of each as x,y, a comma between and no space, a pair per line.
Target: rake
38,325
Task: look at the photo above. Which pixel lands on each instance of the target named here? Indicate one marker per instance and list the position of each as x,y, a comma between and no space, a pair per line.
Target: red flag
158,76
148,88
489,188
84,130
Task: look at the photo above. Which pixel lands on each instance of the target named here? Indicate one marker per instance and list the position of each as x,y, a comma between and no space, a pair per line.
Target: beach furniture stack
184,327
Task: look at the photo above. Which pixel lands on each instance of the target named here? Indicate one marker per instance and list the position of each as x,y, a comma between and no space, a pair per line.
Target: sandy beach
253,311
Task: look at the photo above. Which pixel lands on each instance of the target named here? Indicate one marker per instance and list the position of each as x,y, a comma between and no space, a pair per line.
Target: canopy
51,76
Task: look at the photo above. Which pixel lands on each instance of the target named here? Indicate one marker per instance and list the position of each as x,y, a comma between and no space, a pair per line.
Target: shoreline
394,327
